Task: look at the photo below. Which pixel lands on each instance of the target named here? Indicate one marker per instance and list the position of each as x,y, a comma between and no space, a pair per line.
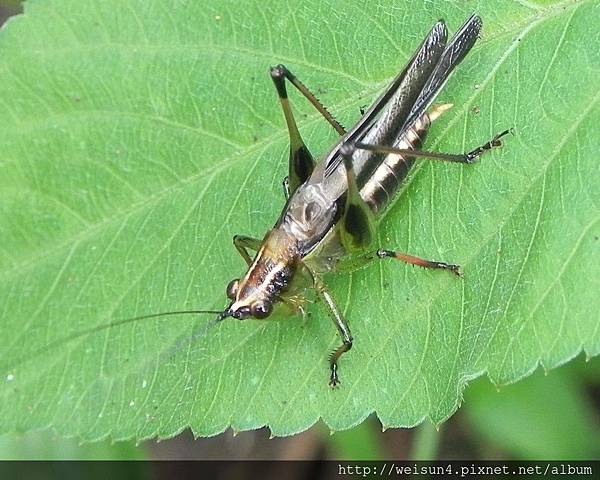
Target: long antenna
98,328
130,320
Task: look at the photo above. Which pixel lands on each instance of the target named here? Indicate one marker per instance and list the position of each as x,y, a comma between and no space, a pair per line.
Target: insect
329,220
333,206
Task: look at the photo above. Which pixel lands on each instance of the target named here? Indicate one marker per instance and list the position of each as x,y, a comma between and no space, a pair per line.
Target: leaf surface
138,138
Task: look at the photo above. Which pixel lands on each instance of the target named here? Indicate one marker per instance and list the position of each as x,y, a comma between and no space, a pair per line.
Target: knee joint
347,149
278,71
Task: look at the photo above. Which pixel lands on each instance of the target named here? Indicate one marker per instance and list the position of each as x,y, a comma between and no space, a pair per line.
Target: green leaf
138,138
542,417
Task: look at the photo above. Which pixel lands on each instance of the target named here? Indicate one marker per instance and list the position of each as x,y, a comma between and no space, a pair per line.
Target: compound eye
232,289
261,309
242,313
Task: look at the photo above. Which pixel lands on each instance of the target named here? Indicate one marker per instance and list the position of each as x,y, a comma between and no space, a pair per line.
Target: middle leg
342,326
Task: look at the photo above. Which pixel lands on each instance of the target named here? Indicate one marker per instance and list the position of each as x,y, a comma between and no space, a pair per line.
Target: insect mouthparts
241,313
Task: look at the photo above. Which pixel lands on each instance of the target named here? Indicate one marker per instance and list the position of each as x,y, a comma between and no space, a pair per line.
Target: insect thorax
309,216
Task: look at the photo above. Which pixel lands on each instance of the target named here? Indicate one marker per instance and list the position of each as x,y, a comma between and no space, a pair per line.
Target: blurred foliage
546,416
45,445
358,443
11,4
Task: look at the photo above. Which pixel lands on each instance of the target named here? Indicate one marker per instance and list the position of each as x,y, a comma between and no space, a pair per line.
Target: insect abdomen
382,186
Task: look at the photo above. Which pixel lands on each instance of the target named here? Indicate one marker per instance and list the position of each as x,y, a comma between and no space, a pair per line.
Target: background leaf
138,138
547,416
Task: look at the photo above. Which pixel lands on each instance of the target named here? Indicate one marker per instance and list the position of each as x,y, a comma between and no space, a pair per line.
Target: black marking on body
356,224
281,280
303,163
